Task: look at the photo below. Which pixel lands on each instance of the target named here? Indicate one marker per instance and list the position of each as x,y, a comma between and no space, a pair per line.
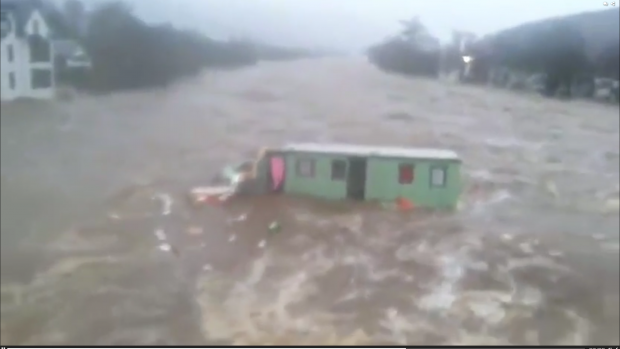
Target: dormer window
35,27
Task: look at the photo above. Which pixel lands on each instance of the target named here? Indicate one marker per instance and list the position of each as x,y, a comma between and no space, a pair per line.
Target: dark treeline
412,52
127,53
556,48
607,62
397,56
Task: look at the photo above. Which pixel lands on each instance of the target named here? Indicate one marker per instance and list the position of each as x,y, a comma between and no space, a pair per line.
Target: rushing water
92,187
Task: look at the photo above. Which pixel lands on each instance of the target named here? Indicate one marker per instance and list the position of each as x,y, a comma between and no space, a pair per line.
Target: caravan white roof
387,151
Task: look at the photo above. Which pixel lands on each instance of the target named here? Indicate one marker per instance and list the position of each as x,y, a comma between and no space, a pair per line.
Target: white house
27,57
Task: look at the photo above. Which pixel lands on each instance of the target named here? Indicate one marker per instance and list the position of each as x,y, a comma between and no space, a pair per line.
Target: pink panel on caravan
278,170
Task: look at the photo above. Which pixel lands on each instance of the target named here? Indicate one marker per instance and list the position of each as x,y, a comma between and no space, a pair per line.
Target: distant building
33,49
27,64
70,55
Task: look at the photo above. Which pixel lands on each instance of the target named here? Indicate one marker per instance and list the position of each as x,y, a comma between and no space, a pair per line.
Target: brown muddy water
91,186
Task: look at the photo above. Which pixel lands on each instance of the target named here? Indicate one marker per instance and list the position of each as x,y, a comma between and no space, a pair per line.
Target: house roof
23,9
350,149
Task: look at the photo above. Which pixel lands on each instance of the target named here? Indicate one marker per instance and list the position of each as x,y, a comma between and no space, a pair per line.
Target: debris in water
526,247
507,237
552,188
239,218
404,204
211,195
165,247
166,202
194,231
114,216
207,267
262,244
232,238
160,234
275,227
555,253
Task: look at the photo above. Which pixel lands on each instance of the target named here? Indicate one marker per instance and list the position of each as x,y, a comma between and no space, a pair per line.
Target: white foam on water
443,295
166,203
160,234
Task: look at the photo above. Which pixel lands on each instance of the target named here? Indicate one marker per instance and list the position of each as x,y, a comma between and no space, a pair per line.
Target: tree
413,28
127,53
414,51
75,16
607,61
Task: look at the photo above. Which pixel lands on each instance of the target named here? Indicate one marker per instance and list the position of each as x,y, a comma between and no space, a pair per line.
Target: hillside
580,43
600,29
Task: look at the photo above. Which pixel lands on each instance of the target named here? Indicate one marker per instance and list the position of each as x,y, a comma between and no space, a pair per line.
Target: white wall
21,66
7,67
44,30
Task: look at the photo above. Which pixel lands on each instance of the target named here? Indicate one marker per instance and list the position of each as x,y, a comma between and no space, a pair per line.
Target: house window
438,176
40,50
9,53
305,167
41,78
406,173
339,170
12,80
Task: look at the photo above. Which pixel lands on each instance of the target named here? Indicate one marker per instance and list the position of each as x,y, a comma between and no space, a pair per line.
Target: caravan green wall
382,182
321,185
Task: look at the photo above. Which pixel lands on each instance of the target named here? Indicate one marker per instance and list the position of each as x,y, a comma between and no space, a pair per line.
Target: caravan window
339,170
305,167
406,173
438,176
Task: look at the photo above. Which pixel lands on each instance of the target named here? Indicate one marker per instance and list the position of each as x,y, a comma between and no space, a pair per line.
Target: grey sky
348,24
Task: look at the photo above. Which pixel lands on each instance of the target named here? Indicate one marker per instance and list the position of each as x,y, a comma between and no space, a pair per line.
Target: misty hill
599,29
590,41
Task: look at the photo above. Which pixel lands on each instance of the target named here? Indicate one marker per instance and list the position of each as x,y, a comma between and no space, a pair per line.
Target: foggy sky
348,25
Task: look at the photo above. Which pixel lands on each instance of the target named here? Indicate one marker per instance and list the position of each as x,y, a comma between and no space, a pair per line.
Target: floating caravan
425,177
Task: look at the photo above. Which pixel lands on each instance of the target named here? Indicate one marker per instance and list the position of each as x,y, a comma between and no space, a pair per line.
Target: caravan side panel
383,182
310,174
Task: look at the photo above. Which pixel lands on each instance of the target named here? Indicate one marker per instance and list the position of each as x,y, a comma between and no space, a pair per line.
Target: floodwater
93,189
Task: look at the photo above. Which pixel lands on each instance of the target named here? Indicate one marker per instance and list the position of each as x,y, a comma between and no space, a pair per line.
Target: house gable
25,14
36,25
